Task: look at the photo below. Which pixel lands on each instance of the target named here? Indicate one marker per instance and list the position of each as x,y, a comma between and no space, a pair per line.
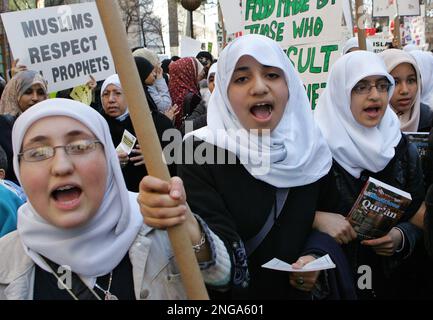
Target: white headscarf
114,80
392,58
212,69
297,153
353,43
410,47
354,146
97,247
424,61
198,65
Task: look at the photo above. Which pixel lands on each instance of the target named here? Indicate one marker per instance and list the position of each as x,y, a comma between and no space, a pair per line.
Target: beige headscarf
16,87
392,58
148,55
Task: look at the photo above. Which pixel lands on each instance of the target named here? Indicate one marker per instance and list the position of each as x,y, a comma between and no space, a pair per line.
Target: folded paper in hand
127,143
321,263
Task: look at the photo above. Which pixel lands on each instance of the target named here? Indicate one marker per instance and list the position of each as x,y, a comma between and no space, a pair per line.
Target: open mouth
262,111
67,197
372,111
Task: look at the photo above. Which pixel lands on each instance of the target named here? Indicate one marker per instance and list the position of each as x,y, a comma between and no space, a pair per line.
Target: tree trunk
173,27
143,33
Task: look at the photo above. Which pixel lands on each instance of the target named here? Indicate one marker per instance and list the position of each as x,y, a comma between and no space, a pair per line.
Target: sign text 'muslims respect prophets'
62,49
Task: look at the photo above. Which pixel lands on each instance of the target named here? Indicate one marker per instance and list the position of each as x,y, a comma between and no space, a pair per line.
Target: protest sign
231,12
379,42
348,16
293,22
189,47
413,31
309,31
391,8
384,8
313,62
220,37
65,44
408,7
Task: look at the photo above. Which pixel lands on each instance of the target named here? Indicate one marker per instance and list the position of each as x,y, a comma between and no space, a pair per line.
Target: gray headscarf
16,87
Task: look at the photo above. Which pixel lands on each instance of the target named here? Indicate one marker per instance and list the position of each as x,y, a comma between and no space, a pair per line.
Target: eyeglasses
78,147
364,87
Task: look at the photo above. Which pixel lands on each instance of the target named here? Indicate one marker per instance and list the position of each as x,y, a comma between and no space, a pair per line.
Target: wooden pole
146,133
221,19
191,23
397,35
361,29
351,16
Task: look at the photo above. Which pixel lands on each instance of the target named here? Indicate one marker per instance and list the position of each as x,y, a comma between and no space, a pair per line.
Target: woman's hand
123,158
91,83
334,225
163,205
386,245
304,281
15,68
172,112
158,72
139,159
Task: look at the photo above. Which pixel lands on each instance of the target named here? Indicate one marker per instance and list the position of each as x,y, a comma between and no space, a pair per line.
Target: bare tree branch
140,13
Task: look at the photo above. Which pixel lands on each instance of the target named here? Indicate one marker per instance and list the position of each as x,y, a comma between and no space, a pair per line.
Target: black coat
425,118
235,205
133,174
403,172
198,118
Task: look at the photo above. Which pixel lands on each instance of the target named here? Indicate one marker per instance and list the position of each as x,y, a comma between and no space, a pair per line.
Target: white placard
390,8
291,23
414,30
66,44
232,15
408,7
189,47
379,42
384,8
313,62
348,16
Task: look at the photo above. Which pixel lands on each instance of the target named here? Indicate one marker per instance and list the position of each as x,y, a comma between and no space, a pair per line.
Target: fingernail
175,194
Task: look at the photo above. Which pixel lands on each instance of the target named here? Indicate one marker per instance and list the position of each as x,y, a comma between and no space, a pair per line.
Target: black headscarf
145,68
164,65
205,54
